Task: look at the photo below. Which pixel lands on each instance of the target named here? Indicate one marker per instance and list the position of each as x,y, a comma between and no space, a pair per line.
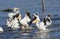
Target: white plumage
13,23
25,20
1,29
47,22
39,24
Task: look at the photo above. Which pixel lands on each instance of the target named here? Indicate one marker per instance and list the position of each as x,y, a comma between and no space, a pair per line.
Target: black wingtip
6,10
32,21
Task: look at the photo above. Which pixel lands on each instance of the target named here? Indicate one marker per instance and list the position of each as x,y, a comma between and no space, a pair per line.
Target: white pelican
25,20
13,15
1,29
40,25
48,20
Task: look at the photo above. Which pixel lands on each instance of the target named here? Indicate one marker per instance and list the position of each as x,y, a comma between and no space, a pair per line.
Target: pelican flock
15,21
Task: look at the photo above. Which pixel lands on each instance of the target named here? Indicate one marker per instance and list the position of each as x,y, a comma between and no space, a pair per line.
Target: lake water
52,6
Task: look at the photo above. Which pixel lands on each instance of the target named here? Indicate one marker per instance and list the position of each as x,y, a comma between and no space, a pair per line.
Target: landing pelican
13,15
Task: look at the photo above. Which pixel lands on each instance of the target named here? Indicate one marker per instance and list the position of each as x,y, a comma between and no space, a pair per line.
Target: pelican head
48,16
16,9
36,13
28,14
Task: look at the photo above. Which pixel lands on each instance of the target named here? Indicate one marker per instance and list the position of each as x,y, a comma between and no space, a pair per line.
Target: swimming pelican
40,25
48,19
26,19
1,29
